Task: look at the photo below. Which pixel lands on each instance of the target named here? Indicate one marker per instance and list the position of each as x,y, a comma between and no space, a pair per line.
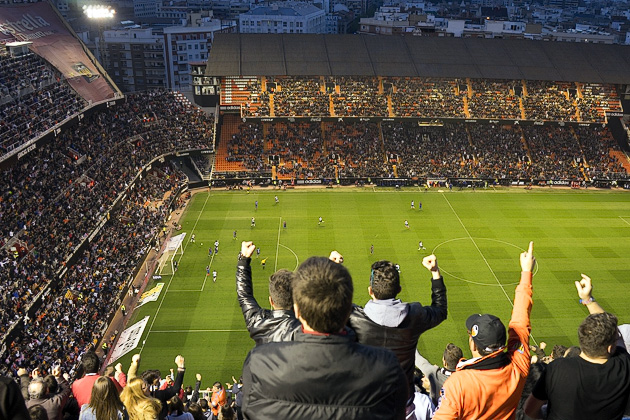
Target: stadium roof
413,56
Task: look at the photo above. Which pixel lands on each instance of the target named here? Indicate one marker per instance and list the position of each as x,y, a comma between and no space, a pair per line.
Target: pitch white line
297,260
170,281
275,265
478,249
195,331
624,219
484,258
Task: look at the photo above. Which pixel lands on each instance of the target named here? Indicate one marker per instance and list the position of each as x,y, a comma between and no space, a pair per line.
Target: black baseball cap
487,331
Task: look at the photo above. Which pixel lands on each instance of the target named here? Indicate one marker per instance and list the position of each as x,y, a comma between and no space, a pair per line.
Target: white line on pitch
624,219
275,265
195,331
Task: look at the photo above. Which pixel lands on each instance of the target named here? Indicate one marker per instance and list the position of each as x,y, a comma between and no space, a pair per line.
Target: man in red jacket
489,385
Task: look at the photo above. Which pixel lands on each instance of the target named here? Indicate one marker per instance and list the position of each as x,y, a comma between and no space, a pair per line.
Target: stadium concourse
90,186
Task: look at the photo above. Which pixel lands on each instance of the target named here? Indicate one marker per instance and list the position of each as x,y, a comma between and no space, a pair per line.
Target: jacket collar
495,360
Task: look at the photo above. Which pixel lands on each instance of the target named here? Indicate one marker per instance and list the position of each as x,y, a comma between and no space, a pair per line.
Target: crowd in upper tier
336,96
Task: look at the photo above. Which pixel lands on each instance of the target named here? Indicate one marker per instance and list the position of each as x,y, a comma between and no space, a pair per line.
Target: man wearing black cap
489,385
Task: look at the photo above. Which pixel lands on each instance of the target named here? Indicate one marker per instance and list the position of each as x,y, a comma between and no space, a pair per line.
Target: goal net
173,249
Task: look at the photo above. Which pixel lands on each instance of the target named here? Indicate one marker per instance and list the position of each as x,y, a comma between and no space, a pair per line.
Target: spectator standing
138,402
388,322
82,388
595,385
489,385
104,402
176,410
39,394
265,325
323,373
218,400
237,395
438,375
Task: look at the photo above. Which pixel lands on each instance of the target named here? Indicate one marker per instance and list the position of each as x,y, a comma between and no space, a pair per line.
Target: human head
137,399
37,412
487,332
203,403
597,334
280,289
227,413
452,355
90,362
152,376
217,386
322,294
105,401
37,389
175,405
558,351
384,280
573,351
196,411
51,384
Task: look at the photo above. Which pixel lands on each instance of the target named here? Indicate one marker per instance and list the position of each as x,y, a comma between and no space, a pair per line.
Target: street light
99,13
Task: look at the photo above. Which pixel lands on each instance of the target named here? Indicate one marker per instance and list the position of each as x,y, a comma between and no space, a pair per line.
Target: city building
284,18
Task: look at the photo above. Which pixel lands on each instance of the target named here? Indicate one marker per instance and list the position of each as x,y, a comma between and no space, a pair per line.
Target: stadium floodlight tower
100,14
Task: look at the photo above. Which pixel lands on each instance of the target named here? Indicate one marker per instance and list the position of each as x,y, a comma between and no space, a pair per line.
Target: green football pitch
476,235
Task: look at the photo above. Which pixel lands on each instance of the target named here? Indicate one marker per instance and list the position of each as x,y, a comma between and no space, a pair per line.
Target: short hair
452,355
596,333
109,371
218,385
37,412
384,280
151,375
322,290
196,411
37,389
90,362
51,384
203,403
573,351
280,289
558,351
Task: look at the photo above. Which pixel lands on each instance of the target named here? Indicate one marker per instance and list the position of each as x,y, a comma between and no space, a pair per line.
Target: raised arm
438,308
585,292
520,325
252,312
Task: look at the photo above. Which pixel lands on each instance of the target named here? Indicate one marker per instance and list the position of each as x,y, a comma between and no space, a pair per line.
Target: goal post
173,249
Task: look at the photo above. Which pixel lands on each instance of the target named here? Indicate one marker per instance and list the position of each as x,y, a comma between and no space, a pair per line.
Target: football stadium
420,166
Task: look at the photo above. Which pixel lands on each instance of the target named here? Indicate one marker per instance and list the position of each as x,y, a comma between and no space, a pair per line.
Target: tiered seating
494,99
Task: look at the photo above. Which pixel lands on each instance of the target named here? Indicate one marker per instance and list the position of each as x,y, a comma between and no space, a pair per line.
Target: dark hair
280,289
218,385
104,400
385,280
150,376
175,405
37,412
227,413
452,355
573,351
51,384
322,290
90,362
596,333
203,403
558,351
196,411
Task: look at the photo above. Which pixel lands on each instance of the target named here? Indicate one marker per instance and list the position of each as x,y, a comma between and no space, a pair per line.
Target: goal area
167,263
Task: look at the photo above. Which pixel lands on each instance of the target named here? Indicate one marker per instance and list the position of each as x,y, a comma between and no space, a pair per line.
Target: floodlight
95,11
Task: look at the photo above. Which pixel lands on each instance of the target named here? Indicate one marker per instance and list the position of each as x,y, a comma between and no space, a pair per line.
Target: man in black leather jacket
387,322
265,325
323,373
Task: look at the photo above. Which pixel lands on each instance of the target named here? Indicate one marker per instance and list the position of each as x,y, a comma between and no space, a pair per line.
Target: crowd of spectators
548,101
431,98
452,150
52,202
493,99
295,96
34,97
